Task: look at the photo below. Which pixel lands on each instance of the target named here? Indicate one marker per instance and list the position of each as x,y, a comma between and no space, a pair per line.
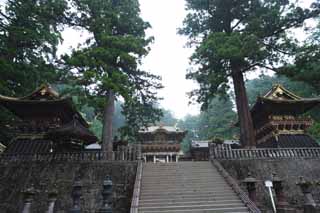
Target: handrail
136,191
226,152
236,188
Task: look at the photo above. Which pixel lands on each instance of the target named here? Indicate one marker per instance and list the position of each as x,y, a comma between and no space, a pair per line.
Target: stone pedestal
309,205
76,195
28,196
281,203
52,196
251,187
106,206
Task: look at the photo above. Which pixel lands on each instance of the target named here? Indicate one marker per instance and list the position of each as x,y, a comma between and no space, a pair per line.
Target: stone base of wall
287,169
15,177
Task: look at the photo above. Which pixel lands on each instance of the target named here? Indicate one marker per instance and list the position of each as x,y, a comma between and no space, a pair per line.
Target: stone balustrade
226,152
125,154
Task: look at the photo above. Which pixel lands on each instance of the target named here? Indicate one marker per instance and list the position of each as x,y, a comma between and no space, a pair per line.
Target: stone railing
226,152
123,155
136,191
236,188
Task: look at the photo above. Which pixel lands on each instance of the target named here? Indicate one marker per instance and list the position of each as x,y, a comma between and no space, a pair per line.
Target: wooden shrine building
279,119
161,143
44,123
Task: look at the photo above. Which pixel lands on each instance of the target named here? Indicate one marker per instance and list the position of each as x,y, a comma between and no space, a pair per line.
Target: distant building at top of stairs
161,143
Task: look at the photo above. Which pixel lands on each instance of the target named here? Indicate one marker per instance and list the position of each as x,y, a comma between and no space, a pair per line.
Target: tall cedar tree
108,63
29,37
236,36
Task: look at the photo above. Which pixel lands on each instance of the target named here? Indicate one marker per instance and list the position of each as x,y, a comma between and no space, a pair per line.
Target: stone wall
15,177
288,169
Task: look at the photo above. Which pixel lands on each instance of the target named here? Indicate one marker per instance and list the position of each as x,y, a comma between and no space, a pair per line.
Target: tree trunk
247,137
107,145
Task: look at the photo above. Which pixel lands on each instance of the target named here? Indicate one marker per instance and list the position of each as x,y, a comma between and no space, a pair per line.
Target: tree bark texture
247,136
107,145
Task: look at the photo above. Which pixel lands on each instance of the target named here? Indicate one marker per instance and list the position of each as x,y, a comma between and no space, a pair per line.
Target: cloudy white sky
168,57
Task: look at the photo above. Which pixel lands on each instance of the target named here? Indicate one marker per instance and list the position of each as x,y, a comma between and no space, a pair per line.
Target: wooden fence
226,152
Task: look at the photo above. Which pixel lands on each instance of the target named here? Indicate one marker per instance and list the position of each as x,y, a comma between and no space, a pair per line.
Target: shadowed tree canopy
107,65
232,37
218,120
30,32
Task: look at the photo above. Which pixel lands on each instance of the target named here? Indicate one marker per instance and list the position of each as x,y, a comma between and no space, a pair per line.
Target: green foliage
109,60
314,130
96,127
218,120
191,124
305,66
168,118
239,36
29,37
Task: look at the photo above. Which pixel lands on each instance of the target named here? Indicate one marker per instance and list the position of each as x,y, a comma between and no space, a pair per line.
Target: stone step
164,173
187,199
186,187
228,195
175,174
182,184
183,181
190,202
209,192
207,209
191,206
181,169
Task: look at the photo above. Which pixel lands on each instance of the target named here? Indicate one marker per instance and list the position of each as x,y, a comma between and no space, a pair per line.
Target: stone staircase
186,187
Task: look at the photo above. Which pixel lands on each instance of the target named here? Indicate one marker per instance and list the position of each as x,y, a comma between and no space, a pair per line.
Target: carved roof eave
2,146
43,90
279,88
73,129
268,105
10,102
183,133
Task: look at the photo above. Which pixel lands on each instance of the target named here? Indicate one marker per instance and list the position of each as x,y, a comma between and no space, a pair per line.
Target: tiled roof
151,129
290,141
26,146
199,144
161,148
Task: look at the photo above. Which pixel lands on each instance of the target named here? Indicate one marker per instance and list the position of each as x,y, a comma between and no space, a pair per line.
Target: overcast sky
168,57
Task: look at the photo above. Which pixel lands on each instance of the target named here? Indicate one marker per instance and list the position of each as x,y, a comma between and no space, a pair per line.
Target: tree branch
268,67
4,15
